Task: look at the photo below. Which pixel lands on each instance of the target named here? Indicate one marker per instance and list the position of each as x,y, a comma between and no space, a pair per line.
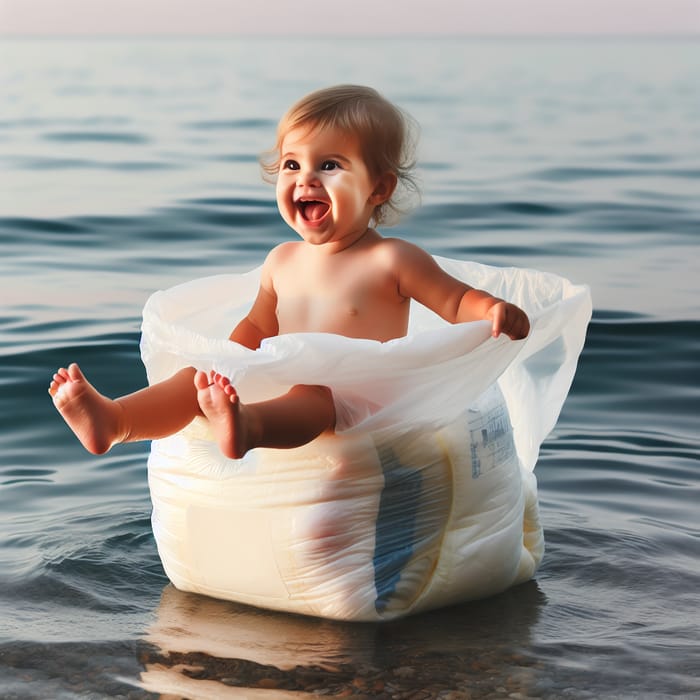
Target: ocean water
129,166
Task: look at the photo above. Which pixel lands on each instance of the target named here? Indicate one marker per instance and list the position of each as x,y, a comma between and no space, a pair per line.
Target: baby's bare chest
360,302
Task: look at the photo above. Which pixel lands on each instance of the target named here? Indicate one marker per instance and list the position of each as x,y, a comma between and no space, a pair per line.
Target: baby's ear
384,188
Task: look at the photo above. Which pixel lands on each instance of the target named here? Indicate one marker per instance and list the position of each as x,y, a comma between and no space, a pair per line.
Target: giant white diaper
429,501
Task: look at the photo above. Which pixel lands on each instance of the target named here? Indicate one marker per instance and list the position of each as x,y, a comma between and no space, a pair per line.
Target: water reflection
206,648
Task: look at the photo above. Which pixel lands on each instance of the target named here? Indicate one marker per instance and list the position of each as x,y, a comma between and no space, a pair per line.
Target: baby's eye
330,165
290,165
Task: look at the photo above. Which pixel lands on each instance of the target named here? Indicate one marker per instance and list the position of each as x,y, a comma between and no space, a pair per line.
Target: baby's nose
307,177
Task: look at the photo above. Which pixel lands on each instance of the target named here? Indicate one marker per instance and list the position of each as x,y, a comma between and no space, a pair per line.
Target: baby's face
324,190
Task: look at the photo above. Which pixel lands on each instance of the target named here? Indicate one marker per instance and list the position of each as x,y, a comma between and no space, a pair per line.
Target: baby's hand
509,319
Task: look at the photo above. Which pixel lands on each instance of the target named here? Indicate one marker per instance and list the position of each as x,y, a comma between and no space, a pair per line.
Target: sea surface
130,166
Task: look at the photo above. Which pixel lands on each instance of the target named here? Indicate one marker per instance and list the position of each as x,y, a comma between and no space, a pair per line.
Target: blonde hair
386,134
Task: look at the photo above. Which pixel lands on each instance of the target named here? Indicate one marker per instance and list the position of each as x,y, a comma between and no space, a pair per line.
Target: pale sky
349,17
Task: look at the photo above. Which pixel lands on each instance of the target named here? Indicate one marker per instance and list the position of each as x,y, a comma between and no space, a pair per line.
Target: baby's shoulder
282,253
398,251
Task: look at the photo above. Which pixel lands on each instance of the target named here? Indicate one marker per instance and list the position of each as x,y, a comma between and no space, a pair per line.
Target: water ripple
45,163
96,137
231,124
576,174
26,224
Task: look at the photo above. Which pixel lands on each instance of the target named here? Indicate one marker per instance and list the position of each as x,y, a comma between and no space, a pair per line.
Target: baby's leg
290,420
100,422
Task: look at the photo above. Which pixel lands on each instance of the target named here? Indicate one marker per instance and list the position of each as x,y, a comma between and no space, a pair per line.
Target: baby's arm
505,317
261,320
422,279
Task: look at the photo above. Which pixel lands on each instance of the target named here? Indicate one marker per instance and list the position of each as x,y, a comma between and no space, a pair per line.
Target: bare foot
220,404
95,419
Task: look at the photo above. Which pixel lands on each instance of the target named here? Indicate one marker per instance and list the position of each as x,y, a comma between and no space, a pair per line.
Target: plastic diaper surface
429,501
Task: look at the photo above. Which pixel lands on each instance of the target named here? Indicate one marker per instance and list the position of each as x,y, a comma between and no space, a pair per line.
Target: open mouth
312,210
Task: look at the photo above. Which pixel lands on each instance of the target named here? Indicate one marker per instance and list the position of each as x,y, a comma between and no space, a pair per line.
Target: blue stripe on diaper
396,524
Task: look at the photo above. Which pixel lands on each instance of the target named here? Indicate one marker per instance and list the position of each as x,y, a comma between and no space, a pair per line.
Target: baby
339,156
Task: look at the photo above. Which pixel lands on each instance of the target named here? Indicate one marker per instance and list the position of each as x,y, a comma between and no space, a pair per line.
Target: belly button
353,311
